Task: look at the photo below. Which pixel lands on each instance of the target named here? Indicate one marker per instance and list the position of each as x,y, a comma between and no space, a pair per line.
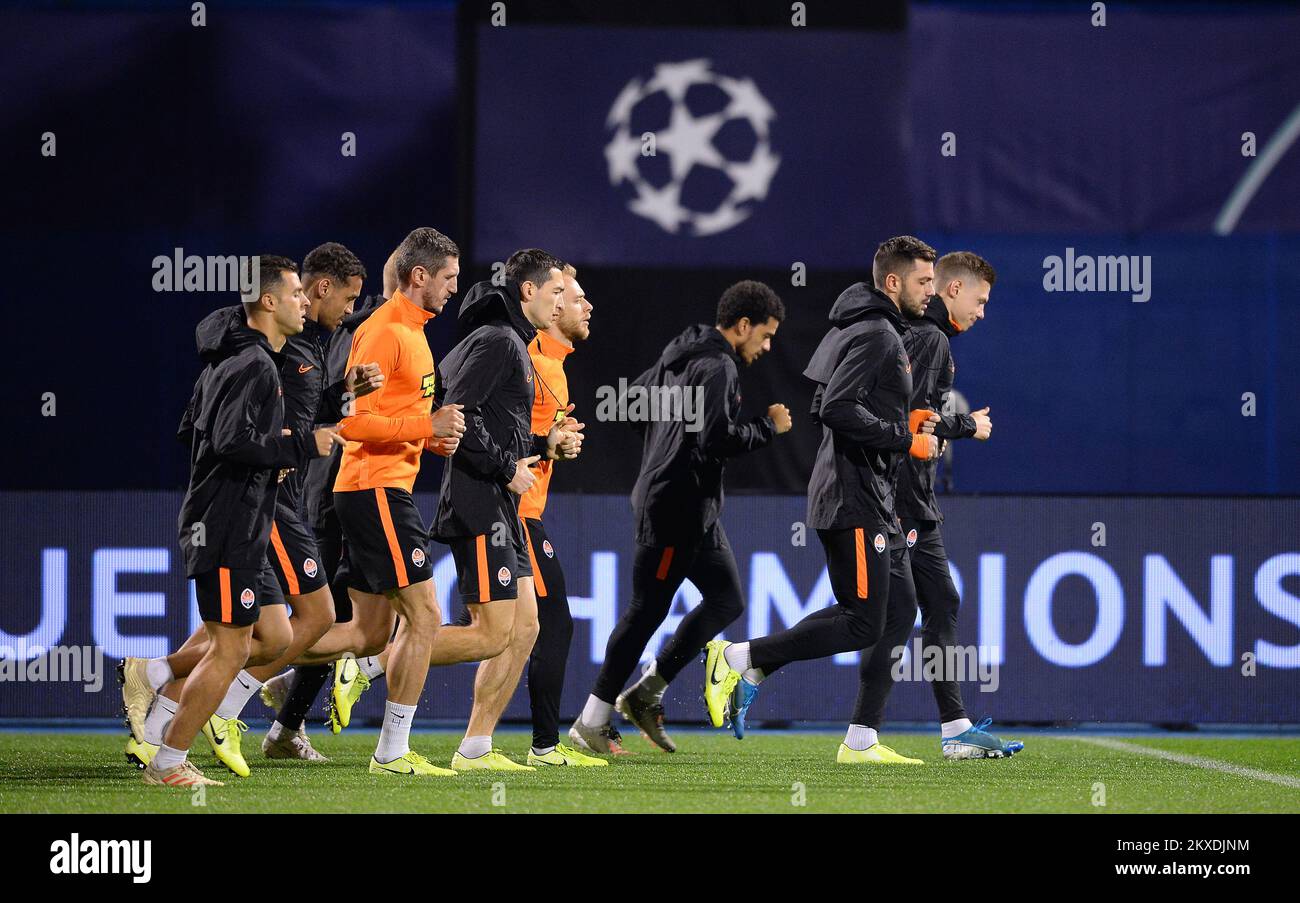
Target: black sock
307,683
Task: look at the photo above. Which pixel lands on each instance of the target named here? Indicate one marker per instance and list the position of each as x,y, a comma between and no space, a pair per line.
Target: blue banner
688,147
1079,609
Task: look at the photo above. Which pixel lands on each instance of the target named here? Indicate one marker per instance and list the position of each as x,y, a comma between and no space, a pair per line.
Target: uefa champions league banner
688,147
775,147
1073,609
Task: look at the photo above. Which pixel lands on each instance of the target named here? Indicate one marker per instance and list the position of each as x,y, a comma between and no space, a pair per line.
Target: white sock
395,735
651,685
370,666
596,712
166,758
474,747
753,675
241,690
737,656
953,728
860,737
544,751
158,673
277,731
160,715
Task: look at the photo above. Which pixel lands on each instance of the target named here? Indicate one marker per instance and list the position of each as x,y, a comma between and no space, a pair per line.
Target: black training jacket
233,425
318,483
678,493
490,374
932,375
864,385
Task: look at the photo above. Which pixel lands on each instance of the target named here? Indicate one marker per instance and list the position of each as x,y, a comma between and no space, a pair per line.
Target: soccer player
863,388
490,374
235,424
385,539
550,651
292,694
332,282
677,500
963,283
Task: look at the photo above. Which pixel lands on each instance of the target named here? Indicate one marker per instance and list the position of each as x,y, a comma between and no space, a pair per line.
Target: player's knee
313,623
730,607
525,633
865,630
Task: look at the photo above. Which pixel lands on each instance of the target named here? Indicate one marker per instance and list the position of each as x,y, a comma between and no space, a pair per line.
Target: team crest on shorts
911,537
503,576
879,542
309,567
247,598
417,557
546,547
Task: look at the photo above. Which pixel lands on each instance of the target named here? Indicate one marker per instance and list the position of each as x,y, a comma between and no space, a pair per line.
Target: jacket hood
937,311
861,300
361,311
855,304
487,303
694,341
224,333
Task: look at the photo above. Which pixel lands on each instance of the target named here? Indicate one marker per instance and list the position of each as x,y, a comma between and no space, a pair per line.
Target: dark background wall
226,139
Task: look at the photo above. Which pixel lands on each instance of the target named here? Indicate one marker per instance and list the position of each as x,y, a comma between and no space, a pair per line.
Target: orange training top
387,429
550,398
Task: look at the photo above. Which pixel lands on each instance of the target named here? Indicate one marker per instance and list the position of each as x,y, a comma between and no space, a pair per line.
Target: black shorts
486,571
236,595
385,543
293,553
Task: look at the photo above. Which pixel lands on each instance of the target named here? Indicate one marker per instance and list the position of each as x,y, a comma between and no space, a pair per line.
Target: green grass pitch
774,772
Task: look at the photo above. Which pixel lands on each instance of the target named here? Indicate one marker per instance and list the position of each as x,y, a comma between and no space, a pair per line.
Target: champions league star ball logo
711,161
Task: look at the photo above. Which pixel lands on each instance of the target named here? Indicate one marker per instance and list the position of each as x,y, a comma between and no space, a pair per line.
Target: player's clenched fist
780,415
326,438
448,422
922,421
444,447
983,425
363,379
524,478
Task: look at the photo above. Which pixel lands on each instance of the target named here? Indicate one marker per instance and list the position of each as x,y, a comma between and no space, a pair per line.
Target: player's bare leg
366,634
408,668
226,652
486,636
495,683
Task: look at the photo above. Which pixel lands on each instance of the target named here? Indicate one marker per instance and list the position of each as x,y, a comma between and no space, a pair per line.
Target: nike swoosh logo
399,717
303,368
220,739
713,678
244,685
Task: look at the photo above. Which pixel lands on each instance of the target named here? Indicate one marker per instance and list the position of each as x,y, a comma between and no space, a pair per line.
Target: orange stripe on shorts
285,564
223,577
394,548
860,546
538,582
664,563
480,548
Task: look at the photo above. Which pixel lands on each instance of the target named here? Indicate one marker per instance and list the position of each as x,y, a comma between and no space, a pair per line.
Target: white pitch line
1240,771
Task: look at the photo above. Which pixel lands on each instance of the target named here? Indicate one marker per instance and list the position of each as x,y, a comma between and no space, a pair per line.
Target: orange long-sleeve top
387,429
550,398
